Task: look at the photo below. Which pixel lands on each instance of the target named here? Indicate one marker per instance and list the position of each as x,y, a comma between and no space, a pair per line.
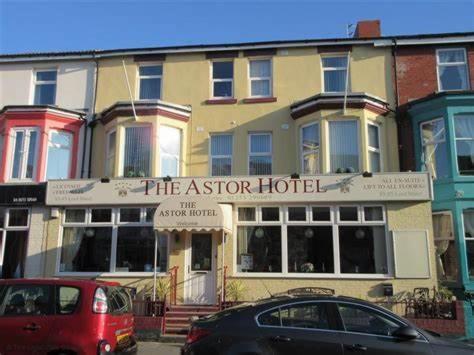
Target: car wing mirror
406,333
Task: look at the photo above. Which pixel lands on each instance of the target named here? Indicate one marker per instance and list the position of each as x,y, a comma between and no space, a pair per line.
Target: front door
200,284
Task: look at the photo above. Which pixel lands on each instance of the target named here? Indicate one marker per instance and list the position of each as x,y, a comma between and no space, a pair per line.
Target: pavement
155,348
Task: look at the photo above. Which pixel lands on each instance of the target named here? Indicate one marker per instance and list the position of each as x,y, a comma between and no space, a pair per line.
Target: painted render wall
296,76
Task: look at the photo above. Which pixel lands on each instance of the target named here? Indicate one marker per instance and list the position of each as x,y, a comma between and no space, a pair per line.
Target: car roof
58,281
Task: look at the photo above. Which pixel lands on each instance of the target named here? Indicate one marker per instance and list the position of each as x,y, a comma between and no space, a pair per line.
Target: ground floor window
14,228
329,240
468,218
116,240
446,254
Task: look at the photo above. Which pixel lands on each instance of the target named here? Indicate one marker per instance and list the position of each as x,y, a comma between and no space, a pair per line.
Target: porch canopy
192,214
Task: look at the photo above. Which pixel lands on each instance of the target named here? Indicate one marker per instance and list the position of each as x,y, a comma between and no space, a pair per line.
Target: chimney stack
367,29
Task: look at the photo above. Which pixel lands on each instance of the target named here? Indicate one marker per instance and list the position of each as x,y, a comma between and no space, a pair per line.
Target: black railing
148,308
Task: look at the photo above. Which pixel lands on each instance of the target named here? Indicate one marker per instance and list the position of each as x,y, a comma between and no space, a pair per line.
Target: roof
43,108
435,38
441,94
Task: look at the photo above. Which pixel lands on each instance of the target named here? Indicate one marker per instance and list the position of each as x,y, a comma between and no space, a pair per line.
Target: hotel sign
243,189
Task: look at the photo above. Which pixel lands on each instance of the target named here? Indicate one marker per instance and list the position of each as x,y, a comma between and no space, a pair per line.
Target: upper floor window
110,154
260,78
24,153
260,153
221,155
137,151
468,220
464,127
170,149
45,87
310,146
452,69
344,146
446,251
435,155
59,155
222,79
335,73
374,147
150,82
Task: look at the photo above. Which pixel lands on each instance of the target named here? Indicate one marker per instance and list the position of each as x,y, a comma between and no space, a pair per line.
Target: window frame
107,152
219,156
438,64
179,158
456,139
24,159
115,224
140,77
345,55
35,82
319,151
465,240
337,274
359,142
262,78
433,142
266,154
370,148
71,151
212,80
122,149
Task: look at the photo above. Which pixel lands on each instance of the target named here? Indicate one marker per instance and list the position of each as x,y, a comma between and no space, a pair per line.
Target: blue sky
47,25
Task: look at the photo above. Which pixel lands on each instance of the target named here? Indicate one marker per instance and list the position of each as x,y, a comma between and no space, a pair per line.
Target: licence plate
122,338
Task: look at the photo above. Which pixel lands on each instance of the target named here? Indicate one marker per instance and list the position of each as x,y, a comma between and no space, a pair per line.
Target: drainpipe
397,98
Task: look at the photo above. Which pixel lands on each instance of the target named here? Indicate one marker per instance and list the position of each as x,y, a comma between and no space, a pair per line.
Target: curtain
464,127
335,72
260,143
18,154
72,240
468,216
344,145
260,69
261,87
310,148
137,152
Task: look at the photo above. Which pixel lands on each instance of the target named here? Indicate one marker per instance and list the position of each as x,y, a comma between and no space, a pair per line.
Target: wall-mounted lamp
167,178
295,176
105,180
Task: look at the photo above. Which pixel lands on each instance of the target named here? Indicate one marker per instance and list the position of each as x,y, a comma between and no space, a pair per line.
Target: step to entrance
179,317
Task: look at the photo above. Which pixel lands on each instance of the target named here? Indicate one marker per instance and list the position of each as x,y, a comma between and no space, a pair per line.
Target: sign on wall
22,194
244,189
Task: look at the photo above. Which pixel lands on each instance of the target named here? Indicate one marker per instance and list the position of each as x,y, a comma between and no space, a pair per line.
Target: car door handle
281,339
355,347
31,327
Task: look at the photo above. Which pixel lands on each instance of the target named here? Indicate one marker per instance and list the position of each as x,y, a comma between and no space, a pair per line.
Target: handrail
224,291
173,272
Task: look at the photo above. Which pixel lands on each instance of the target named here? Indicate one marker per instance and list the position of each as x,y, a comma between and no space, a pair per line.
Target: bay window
468,221
260,153
150,77
222,79
310,241
59,155
24,154
374,147
221,154
344,146
335,73
464,128
310,149
115,240
137,151
452,69
435,154
110,153
260,78
170,150
45,87
445,246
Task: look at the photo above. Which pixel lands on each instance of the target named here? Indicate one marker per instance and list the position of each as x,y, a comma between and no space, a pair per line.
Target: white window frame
114,224
24,159
434,142
335,235
265,154
140,77
124,138
466,261
221,80
438,65
44,82
302,154
71,150
6,228
260,78
107,152
346,68
307,215
456,139
328,139
374,149
212,157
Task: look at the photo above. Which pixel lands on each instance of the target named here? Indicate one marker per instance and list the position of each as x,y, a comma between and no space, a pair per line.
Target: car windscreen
119,300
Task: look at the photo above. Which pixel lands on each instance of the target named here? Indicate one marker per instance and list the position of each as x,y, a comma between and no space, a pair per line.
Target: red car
64,316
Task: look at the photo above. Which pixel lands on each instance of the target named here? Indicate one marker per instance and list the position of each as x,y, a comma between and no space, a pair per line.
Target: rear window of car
67,299
22,299
119,300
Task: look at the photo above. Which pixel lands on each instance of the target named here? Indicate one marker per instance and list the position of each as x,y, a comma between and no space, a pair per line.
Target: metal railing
148,308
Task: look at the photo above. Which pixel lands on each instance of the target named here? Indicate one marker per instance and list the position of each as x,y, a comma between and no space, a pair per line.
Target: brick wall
148,323
445,326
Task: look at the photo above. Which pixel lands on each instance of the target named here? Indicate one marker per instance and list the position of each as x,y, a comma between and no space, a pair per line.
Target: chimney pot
367,29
